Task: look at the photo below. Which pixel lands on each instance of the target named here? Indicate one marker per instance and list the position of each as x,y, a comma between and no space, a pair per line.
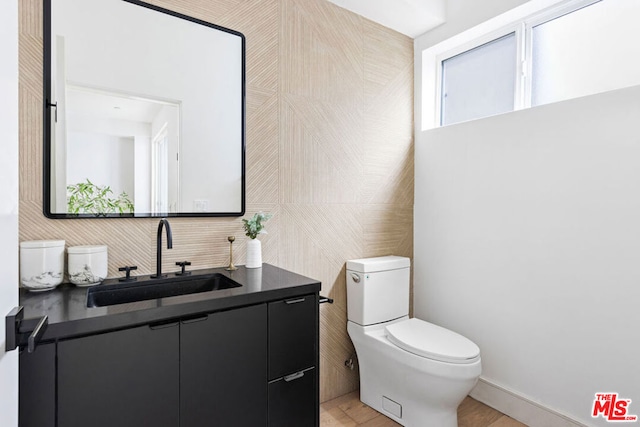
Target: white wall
8,205
461,15
93,156
527,241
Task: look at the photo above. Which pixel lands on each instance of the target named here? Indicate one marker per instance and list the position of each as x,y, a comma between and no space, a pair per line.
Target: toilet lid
432,341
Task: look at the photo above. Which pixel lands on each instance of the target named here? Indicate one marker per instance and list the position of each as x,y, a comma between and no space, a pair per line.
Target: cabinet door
223,369
293,335
123,378
37,405
292,400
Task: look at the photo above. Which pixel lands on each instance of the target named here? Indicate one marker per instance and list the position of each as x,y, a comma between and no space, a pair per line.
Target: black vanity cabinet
122,378
223,368
293,362
252,365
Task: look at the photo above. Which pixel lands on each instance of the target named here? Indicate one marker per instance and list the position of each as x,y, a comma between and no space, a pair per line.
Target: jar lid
37,244
87,249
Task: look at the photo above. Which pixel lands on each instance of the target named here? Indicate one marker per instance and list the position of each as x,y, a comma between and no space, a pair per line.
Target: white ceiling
409,17
105,105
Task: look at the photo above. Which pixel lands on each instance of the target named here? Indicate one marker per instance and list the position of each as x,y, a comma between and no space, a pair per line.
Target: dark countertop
69,316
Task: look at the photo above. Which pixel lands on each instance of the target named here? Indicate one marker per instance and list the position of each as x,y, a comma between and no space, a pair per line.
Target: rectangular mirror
144,112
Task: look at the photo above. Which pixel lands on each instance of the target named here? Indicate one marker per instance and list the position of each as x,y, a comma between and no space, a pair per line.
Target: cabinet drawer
292,400
293,335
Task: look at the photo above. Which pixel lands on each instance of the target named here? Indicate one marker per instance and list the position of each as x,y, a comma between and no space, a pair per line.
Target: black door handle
17,328
12,323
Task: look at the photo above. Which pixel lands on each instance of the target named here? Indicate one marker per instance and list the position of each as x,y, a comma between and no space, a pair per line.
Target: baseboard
519,407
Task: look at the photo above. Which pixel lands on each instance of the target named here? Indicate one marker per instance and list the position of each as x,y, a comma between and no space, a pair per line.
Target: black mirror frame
47,113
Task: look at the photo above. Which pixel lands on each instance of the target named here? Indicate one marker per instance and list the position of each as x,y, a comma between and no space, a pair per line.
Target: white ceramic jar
41,264
87,265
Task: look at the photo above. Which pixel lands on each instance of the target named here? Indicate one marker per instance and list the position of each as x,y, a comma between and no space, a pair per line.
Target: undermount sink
105,295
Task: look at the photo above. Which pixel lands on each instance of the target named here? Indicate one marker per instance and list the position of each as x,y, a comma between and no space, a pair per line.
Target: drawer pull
295,376
163,326
195,319
294,301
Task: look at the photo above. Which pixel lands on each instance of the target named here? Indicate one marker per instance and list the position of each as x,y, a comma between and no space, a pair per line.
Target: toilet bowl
412,371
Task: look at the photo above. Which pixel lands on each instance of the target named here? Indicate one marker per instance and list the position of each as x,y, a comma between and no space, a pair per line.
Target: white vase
254,254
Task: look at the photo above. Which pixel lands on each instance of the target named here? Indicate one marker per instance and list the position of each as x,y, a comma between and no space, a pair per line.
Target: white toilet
414,372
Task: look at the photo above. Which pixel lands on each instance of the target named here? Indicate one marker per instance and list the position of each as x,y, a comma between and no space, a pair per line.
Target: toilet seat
431,341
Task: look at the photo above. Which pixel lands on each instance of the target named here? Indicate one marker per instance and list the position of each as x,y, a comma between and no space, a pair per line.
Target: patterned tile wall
329,152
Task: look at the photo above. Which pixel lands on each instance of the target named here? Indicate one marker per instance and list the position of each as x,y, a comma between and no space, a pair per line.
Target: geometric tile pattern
329,152
346,157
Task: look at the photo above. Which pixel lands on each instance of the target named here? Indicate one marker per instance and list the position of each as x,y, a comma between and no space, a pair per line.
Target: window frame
523,29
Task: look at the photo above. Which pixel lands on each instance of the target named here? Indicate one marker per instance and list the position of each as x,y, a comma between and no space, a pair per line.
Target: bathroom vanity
242,356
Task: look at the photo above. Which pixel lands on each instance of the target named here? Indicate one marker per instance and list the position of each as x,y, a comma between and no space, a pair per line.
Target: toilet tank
377,289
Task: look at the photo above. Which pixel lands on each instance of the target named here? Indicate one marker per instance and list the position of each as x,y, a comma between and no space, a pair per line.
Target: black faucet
163,222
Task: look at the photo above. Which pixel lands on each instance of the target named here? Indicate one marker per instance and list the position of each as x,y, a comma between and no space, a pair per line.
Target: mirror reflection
145,112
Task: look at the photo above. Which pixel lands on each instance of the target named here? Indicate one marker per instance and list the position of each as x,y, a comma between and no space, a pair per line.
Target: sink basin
105,295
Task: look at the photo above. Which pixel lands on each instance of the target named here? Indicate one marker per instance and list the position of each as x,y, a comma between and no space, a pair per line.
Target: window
479,82
584,52
579,48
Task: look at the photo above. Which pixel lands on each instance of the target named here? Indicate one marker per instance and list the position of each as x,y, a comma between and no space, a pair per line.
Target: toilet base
411,390
409,414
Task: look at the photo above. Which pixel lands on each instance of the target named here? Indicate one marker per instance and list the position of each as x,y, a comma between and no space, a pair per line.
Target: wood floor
348,411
